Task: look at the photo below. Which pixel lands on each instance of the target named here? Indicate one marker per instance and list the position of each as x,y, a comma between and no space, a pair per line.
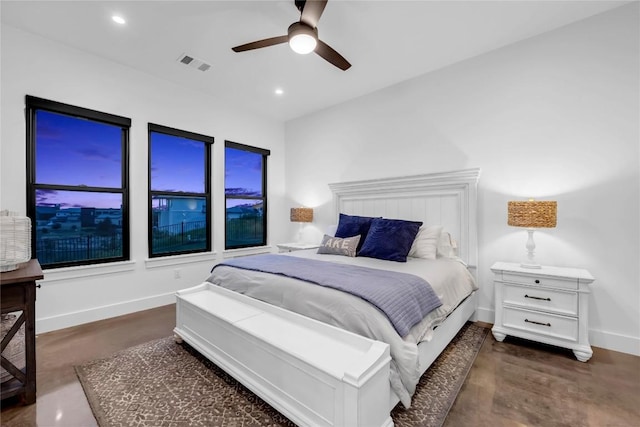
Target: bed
347,362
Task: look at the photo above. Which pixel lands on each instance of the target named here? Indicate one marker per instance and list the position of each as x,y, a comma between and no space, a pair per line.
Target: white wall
40,67
553,117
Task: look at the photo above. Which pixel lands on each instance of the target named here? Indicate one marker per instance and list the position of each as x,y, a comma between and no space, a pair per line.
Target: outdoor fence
52,250
244,231
180,237
170,238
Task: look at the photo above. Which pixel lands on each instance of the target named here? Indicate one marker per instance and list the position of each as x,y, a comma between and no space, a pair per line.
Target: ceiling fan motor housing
301,28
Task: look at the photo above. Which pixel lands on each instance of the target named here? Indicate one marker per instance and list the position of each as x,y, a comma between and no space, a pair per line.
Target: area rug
165,384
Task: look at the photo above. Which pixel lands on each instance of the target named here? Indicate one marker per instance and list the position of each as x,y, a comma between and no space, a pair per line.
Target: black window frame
32,105
265,154
208,142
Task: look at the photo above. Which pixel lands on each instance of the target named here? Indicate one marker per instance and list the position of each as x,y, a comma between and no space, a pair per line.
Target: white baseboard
484,315
48,324
607,340
615,342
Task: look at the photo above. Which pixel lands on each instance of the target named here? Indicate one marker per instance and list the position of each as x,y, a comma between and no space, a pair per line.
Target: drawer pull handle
539,298
537,281
537,323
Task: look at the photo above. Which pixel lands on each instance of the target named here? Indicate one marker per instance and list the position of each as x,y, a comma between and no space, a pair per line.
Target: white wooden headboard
447,198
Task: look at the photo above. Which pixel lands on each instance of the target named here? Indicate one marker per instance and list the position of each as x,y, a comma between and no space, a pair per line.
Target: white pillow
425,244
331,230
446,246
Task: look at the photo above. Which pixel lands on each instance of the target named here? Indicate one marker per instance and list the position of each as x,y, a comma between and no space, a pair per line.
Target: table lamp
301,215
532,214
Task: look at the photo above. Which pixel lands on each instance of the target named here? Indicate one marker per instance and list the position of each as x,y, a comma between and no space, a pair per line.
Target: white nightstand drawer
541,323
549,300
553,282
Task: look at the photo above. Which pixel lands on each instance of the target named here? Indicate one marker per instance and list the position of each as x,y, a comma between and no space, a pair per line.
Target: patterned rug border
461,354
470,333
92,396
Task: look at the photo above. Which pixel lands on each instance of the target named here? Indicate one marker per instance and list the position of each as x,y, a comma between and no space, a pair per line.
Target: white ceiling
385,41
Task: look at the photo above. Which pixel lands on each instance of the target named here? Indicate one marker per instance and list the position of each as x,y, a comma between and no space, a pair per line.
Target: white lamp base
527,265
300,228
531,246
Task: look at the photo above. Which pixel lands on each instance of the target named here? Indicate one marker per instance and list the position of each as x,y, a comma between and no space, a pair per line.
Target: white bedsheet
449,278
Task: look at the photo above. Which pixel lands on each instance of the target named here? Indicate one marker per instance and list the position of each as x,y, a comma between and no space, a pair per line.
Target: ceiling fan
303,35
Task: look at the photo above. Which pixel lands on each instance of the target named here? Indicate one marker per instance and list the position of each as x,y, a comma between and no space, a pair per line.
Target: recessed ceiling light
118,19
279,91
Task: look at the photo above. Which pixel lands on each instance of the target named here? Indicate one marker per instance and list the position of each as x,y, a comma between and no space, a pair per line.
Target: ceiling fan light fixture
302,38
302,44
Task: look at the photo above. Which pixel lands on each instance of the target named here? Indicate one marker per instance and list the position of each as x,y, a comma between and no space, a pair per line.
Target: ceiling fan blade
312,11
327,52
261,43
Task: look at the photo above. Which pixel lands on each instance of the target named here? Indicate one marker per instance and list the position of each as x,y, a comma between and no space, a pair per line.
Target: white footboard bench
313,373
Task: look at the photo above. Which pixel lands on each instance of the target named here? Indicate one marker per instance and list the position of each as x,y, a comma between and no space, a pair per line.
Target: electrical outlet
177,273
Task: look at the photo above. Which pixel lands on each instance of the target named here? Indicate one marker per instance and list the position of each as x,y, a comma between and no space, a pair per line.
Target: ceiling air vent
193,62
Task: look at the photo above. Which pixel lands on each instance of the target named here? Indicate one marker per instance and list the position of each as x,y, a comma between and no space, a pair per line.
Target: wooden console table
18,288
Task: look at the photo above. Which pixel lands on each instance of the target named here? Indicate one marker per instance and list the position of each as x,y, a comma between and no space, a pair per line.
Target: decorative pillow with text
337,246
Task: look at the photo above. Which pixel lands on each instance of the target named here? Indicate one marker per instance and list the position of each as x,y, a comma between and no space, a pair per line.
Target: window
245,196
179,191
77,184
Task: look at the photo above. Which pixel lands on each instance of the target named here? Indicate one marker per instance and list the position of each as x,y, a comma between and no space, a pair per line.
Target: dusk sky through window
75,199
81,152
177,164
90,149
243,169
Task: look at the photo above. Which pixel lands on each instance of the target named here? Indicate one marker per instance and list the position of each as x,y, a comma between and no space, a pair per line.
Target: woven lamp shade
301,215
533,214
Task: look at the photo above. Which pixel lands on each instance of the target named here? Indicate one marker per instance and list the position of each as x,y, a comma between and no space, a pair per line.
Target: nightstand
19,294
290,247
548,305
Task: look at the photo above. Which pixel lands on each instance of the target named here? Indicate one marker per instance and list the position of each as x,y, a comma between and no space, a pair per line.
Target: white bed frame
314,373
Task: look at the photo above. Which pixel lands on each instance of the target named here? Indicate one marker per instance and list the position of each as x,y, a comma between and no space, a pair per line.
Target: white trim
232,253
179,259
66,273
47,324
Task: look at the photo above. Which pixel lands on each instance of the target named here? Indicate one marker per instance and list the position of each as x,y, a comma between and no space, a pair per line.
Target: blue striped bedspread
404,298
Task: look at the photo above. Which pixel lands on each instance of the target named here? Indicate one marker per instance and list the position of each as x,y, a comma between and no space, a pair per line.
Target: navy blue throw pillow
353,225
389,239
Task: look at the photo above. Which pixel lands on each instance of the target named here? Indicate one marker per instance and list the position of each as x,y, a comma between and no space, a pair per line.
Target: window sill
233,253
150,263
66,273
